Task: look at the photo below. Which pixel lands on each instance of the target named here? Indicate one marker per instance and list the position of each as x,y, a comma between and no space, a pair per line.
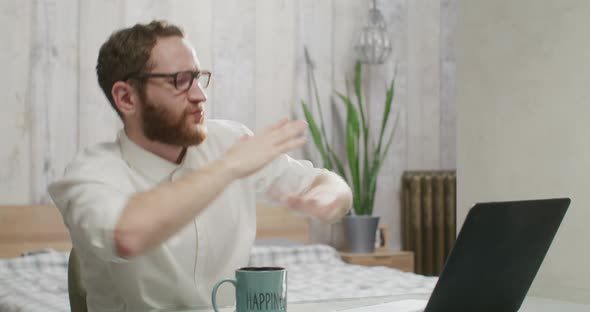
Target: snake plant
363,160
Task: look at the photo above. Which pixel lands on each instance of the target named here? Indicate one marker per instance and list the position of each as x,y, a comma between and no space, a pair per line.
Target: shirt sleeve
91,210
284,177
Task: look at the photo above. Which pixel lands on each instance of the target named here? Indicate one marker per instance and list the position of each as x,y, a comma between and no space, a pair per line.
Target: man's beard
159,124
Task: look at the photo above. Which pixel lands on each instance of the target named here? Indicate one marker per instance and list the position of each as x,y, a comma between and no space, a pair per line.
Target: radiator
429,217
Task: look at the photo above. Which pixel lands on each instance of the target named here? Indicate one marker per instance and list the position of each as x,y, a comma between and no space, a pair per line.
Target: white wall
52,105
523,108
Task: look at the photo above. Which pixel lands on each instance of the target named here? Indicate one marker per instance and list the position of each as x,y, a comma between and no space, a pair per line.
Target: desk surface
530,304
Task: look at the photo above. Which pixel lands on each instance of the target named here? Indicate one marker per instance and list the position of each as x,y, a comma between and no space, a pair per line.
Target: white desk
530,304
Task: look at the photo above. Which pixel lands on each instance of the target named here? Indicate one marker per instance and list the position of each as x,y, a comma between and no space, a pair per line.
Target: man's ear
126,98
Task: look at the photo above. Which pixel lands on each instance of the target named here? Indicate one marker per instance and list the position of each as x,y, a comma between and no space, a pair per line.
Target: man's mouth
198,115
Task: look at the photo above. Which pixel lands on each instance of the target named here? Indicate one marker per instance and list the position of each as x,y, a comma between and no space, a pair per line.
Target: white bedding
39,282
35,283
316,272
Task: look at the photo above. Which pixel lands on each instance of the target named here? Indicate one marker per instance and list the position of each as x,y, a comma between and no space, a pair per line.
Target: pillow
284,242
287,255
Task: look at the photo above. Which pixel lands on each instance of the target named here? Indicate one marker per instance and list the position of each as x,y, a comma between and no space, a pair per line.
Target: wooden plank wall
52,106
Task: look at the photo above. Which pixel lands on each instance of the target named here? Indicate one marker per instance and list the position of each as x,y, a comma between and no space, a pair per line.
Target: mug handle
214,292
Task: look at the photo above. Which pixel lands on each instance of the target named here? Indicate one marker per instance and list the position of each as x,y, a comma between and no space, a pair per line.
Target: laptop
497,255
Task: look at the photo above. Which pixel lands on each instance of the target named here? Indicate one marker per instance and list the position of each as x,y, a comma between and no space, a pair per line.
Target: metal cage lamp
373,45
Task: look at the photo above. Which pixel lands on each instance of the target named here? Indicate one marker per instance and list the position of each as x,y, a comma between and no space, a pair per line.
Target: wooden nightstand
401,260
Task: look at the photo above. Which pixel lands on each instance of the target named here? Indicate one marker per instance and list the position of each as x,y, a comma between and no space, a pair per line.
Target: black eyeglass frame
194,75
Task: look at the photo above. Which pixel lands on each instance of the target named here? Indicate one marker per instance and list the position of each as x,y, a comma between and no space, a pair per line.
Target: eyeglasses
182,80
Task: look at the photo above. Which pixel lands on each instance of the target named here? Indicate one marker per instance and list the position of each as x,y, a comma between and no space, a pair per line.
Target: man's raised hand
252,152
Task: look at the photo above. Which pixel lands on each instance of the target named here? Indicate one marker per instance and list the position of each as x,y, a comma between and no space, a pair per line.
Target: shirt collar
146,162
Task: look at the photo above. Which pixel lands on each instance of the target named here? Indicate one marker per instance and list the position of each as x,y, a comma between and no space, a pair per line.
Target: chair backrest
76,292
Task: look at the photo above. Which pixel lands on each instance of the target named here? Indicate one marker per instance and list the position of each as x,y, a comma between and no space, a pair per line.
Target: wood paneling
144,11
275,60
53,100
15,110
31,227
424,84
53,106
234,61
97,120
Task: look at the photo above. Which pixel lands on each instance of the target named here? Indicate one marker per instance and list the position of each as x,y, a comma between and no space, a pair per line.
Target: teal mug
257,289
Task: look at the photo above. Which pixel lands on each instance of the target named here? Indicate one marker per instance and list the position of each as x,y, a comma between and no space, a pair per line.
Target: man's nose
196,92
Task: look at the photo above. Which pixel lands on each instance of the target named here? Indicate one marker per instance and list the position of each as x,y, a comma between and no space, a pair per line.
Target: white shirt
182,271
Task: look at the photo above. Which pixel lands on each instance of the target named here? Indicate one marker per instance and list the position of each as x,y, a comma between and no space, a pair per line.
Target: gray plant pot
360,233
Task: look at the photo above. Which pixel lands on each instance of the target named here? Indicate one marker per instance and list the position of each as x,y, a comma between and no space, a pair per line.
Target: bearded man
169,208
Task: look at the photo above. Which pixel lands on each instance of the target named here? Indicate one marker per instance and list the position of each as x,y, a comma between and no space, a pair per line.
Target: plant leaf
316,135
372,188
352,147
391,135
338,164
387,109
388,101
358,81
351,115
365,129
352,153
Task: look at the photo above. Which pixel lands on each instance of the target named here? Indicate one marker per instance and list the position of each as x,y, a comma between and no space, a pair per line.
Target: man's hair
128,51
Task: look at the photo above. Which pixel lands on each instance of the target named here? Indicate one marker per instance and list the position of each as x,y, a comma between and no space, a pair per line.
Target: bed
34,247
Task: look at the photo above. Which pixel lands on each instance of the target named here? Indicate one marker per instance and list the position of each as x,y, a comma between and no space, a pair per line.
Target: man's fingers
282,131
291,144
276,125
289,131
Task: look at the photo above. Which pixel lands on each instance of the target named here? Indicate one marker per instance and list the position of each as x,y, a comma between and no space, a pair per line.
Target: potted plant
364,156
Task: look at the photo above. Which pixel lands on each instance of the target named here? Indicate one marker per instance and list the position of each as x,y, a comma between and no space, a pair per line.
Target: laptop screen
497,255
